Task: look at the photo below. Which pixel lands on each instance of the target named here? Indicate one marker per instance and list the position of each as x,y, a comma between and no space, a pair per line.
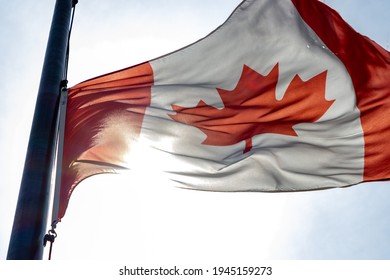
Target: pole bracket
50,237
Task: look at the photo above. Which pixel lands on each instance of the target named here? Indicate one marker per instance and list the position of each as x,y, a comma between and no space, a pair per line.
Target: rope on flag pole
74,2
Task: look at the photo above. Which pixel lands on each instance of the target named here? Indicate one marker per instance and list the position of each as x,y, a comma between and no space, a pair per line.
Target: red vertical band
368,65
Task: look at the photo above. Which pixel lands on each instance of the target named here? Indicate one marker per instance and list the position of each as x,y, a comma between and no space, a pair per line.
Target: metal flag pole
32,207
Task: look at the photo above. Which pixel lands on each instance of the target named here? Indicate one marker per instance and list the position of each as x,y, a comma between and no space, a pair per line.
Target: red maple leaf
252,108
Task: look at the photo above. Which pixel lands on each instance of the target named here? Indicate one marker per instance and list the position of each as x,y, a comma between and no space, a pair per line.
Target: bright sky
143,219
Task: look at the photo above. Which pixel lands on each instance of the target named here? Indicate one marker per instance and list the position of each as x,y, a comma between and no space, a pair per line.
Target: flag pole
31,213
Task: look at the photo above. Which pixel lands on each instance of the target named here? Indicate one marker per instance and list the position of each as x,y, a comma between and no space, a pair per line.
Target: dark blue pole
30,221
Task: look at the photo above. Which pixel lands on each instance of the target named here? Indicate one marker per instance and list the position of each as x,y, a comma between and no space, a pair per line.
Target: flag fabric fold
284,96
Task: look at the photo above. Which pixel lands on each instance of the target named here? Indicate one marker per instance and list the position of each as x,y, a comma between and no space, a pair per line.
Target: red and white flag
284,96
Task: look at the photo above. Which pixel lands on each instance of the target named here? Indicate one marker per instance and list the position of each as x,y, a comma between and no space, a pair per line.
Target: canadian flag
284,96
